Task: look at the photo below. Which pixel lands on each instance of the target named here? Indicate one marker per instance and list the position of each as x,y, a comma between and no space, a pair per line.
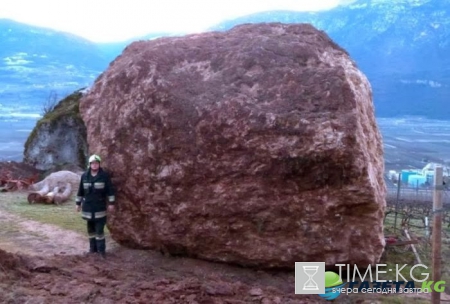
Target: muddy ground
42,263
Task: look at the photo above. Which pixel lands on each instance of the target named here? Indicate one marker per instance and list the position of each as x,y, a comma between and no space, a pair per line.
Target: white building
428,170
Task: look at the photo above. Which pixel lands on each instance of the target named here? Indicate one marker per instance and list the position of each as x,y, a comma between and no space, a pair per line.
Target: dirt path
30,237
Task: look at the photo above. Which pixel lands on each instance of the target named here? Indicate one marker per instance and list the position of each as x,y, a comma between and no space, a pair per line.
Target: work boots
92,245
101,247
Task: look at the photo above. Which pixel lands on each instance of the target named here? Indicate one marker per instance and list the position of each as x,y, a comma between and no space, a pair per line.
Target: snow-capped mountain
37,62
403,46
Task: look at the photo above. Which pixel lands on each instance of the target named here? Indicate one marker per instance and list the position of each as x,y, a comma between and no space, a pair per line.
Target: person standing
95,196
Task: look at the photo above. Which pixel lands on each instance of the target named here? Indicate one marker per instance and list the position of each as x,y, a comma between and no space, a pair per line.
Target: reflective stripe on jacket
93,194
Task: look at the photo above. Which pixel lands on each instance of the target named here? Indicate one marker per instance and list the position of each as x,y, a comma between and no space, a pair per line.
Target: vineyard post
399,181
437,230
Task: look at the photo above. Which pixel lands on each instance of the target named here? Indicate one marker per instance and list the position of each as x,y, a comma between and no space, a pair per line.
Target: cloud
17,59
431,83
112,20
347,2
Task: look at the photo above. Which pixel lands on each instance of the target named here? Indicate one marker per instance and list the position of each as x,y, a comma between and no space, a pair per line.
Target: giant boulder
257,146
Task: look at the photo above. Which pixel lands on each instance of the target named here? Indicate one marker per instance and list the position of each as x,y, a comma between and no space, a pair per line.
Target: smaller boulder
59,179
59,138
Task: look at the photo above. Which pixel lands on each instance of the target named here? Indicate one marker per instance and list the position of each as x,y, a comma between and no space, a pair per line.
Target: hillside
37,61
402,46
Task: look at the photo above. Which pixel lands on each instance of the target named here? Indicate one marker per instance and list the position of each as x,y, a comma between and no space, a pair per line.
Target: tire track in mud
19,235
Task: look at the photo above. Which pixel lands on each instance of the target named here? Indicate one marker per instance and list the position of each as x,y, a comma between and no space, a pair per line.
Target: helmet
94,157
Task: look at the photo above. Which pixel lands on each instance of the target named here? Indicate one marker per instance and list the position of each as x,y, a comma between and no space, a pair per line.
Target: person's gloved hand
78,208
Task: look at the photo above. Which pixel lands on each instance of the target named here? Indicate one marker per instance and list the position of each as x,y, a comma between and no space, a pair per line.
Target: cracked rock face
59,138
256,146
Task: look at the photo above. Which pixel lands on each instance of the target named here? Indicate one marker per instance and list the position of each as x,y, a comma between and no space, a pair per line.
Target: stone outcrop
59,138
256,146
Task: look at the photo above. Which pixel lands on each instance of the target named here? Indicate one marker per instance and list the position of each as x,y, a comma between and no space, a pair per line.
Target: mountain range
402,46
38,62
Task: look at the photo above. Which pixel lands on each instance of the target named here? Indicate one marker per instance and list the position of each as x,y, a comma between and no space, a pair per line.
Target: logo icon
309,277
310,271
333,285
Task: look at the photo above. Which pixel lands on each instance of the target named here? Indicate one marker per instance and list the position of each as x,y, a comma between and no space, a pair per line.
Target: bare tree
50,104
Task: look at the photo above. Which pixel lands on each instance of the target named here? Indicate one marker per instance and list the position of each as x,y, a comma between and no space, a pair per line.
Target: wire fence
409,220
413,205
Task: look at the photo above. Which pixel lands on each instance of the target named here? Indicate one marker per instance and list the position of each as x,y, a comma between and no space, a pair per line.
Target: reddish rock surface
256,146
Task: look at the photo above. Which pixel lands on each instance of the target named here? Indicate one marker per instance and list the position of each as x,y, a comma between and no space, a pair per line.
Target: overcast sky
113,20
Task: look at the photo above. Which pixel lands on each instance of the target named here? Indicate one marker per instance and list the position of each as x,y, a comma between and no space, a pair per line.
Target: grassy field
63,216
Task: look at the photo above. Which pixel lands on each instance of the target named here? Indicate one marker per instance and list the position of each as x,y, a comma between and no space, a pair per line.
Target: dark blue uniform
94,194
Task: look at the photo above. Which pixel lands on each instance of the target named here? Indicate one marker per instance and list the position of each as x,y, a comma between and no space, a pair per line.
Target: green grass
63,215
